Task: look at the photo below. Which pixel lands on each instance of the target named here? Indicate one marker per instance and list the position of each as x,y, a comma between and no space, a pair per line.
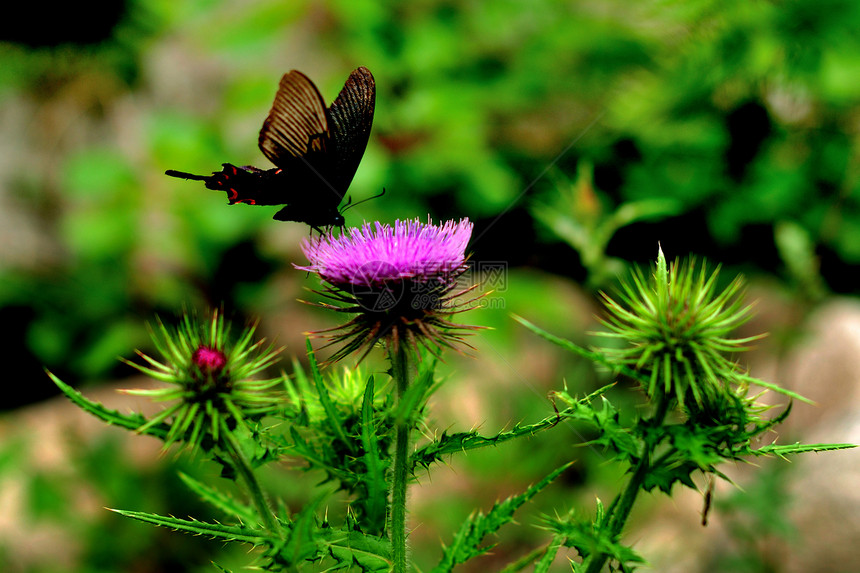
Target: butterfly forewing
297,123
350,118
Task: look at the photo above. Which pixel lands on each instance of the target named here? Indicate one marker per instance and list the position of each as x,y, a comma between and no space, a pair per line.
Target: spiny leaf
611,433
308,541
777,388
545,562
299,390
590,536
467,541
238,533
128,421
374,478
305,540
463,441
325,399
301,543
316,460
798,448
222,501
356,549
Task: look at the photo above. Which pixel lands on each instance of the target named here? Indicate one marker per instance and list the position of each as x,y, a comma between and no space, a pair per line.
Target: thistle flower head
674,329
400,281
212,380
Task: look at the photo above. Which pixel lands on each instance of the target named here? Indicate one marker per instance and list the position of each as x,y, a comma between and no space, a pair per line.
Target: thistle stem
621,507
243,468
400,470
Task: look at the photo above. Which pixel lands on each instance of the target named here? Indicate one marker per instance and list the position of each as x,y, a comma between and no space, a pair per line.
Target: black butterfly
316,151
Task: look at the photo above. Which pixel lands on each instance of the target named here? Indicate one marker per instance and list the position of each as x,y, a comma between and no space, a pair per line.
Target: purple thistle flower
400,282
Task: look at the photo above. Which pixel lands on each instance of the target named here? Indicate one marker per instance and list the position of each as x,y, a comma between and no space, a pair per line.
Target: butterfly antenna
350,204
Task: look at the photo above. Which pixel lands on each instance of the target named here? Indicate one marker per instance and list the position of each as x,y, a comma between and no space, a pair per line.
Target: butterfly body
316,151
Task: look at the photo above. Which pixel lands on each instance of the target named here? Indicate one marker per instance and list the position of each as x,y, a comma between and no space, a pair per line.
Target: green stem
243,468
400,471
620,509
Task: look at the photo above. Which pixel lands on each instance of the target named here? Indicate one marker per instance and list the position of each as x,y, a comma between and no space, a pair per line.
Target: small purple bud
209,360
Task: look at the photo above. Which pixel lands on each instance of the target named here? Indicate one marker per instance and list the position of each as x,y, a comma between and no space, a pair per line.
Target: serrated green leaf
301,389
325,398
305,450
798,448
463,441
355,549
545,562
220,500
467,541
776,388
238,533
695,446
128,421
613,435
374,478
664,476
307,540
591,537
301,542
605,419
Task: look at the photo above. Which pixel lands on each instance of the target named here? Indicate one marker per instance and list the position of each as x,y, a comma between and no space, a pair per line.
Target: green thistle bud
212,380
674,328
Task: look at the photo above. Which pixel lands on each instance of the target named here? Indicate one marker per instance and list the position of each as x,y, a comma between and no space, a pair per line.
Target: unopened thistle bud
212,380
674,328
